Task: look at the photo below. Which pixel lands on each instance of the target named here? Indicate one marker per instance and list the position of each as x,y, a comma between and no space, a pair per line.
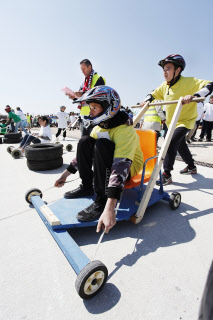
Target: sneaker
194,139
57,139
64,139
166,179
200,139
188,141
208,140
189,170
79,192
92,212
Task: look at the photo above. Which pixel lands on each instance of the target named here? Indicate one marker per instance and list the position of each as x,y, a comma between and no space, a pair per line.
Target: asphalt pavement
157,269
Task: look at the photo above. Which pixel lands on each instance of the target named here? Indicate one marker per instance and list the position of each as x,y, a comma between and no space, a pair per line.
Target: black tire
43,151
16,154
6,140
13,135
69,147
33,191
44,165
175,200
95,284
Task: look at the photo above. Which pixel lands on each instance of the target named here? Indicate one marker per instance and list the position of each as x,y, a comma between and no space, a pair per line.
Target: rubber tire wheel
27,194
9,149
16,154
175,200
45,165
43,151
13,135
69,147
6,140
84,275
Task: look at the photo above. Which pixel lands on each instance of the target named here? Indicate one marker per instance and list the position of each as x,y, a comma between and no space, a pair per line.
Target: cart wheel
175,200
32,192
16,154
91,279
69,147
9,149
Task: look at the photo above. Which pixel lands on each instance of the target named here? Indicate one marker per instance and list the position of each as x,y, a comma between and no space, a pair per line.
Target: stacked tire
12,137
44,156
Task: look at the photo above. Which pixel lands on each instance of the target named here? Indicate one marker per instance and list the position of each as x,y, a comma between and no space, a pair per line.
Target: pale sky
42,43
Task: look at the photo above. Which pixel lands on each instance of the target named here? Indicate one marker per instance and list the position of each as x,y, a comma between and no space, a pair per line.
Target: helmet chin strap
173,81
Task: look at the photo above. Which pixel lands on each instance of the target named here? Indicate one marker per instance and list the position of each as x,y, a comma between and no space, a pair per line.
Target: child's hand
60,182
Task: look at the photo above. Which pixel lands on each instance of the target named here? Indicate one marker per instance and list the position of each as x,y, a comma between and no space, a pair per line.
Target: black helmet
176,59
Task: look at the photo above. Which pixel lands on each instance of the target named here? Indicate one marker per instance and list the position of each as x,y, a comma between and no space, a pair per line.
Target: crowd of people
109,153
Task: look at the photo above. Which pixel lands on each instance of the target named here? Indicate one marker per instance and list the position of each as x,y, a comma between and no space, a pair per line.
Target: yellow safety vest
85,109
151,115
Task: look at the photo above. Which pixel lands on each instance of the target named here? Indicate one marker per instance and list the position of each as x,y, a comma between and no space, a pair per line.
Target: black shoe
166,179
189,170
208,140
194,139
79,192
188,141
92,212
200,140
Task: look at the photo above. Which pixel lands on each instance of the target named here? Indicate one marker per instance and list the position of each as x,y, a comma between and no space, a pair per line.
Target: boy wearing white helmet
113,148
175,86
63,117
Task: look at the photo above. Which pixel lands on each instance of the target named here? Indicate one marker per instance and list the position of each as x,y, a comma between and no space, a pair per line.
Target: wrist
65,174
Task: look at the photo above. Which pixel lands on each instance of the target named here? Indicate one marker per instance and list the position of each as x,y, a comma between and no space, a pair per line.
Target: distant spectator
20,113
28,120
207,121
16,119
192,132
63,117
92,79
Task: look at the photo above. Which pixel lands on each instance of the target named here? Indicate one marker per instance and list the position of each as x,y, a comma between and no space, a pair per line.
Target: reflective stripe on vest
151,115
85,109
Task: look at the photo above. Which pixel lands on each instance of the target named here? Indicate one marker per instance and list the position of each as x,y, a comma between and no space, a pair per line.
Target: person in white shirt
207,125
44,136
191,134
63,117
20,113
72,118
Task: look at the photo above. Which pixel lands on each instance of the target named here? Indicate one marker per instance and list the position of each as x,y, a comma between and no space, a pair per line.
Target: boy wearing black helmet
173,88
113,148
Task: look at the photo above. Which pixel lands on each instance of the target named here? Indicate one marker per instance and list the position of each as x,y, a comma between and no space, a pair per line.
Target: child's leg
85,153
64,133
58,133
178,135
17,126
22,127
29,139
209,130
36,141
103,159
24,140
203,130
12,127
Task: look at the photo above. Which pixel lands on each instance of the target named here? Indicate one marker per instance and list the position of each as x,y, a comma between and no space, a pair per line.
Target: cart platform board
66,209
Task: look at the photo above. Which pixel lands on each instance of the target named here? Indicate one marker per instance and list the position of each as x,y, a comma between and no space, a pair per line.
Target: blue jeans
28,139
20,124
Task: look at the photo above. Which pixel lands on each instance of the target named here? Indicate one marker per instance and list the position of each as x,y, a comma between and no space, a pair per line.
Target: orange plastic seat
148,143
